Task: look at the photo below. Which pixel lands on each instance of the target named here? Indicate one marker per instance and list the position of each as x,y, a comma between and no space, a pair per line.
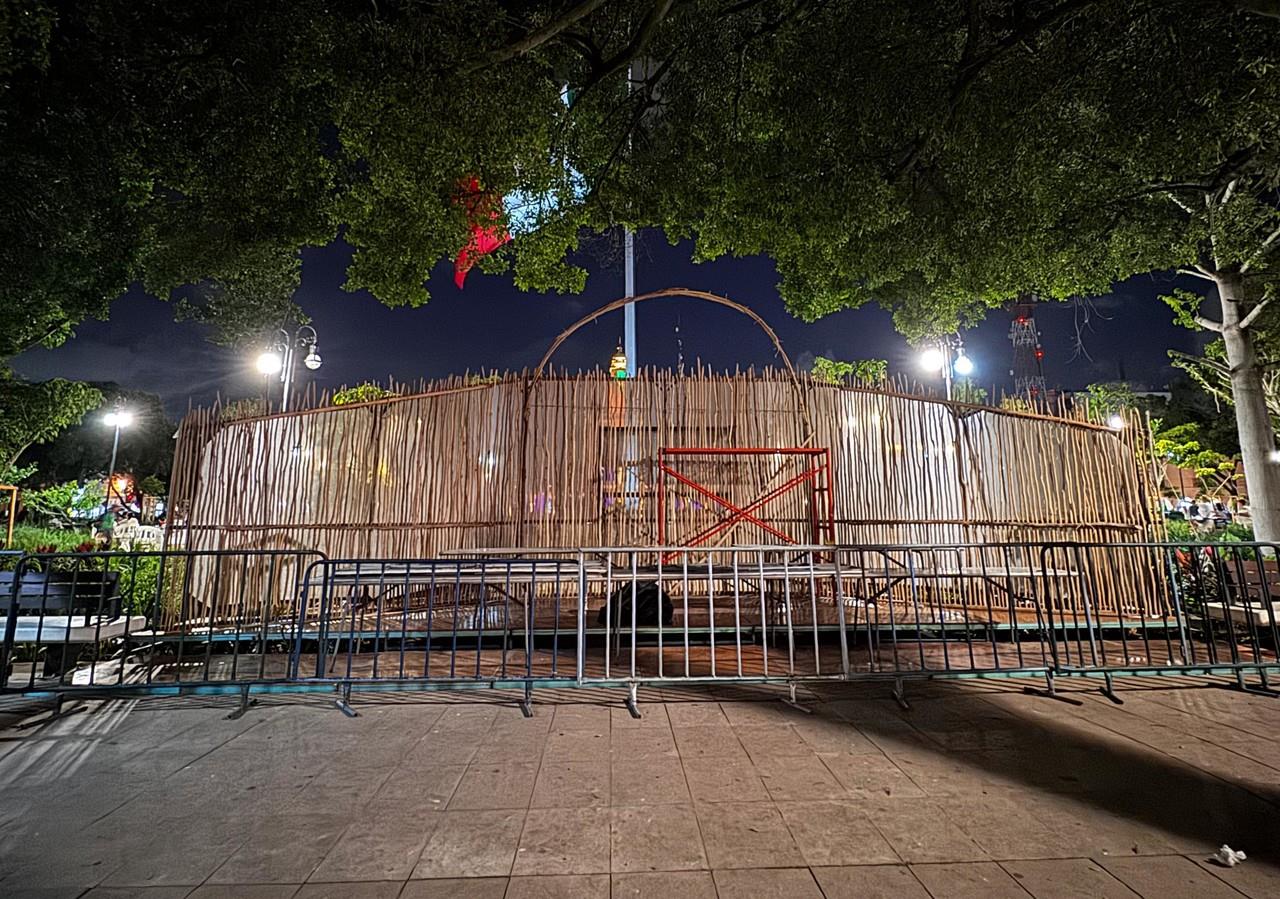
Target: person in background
104,528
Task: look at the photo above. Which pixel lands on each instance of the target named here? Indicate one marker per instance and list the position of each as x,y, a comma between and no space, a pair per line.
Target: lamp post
947,356
117,418
281,357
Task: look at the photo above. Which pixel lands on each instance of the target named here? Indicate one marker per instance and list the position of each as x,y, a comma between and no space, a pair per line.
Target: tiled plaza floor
977,791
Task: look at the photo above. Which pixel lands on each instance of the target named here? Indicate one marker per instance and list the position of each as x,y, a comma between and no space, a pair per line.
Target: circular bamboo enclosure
441,470
547,460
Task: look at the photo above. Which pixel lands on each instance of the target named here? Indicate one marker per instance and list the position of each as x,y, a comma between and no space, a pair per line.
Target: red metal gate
817,477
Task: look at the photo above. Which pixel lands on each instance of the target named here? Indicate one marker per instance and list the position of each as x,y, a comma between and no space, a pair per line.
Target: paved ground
977,791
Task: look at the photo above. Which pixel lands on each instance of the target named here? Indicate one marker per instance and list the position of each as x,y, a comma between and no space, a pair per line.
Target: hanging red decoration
484,214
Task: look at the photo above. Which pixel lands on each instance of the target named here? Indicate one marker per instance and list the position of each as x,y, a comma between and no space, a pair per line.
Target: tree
939,159
976,151
35,413
865,372
83,450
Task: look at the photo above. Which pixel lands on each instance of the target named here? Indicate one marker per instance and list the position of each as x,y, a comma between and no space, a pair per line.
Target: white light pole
948,357
117,418
281,357
629,280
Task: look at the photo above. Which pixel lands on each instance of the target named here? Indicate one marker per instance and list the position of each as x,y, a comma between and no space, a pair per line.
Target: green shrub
59,506
361,393
64,540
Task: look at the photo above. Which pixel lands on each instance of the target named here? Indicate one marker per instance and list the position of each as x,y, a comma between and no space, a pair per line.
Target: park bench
66,608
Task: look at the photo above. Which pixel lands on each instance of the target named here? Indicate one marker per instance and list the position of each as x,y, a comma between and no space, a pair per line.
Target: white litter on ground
1227,857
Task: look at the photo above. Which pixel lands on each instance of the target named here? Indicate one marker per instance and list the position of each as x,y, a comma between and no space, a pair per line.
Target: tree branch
648,28
1207,323
1268,8
1254,313
972,64
1267,246
1195,273
536,38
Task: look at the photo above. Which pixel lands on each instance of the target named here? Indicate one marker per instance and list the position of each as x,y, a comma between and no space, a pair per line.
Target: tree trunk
1257,439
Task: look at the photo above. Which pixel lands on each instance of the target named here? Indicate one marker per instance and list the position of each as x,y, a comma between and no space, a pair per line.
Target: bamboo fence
565,461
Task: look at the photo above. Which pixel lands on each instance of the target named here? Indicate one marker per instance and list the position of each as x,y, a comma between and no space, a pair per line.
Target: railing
164,617
625,616
438,620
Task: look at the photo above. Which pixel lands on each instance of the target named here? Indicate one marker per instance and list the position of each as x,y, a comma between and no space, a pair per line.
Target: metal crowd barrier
249,620
1216,612
421,623
165,619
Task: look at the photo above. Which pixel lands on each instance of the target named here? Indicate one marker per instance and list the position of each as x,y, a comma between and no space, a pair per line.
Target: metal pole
946,365
629,275
629,310
287,374
111,467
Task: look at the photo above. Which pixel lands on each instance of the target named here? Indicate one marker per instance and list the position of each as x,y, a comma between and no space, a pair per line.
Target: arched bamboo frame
802,405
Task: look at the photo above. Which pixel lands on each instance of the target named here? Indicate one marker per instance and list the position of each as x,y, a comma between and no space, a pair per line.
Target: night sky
490,325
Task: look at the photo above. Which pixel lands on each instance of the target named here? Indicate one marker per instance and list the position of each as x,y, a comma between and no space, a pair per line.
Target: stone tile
472,844
1257,880
576,744
384,843
869,882
507,745
767,883
695,714
467,888
746,835
647,780
655,838
653,716
369,889
1074,878
869,775
834,735
280,850
768,713
571,783
1168,877
800,777
582,717
1004,826
836,833
179,857
174,892
766,741
727,780
429,786
495,785
664,885
245,891
566,886
564,841
920,831
968,880
708,742
642,741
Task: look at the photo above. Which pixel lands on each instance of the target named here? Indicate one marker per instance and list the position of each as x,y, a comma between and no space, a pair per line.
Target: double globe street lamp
281,357
947,356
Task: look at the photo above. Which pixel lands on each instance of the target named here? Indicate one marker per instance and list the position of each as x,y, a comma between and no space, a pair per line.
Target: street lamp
117,418
281,357
948,357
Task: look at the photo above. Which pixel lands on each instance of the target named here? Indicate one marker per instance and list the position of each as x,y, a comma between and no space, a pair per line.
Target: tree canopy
936,158
939,159
35,413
